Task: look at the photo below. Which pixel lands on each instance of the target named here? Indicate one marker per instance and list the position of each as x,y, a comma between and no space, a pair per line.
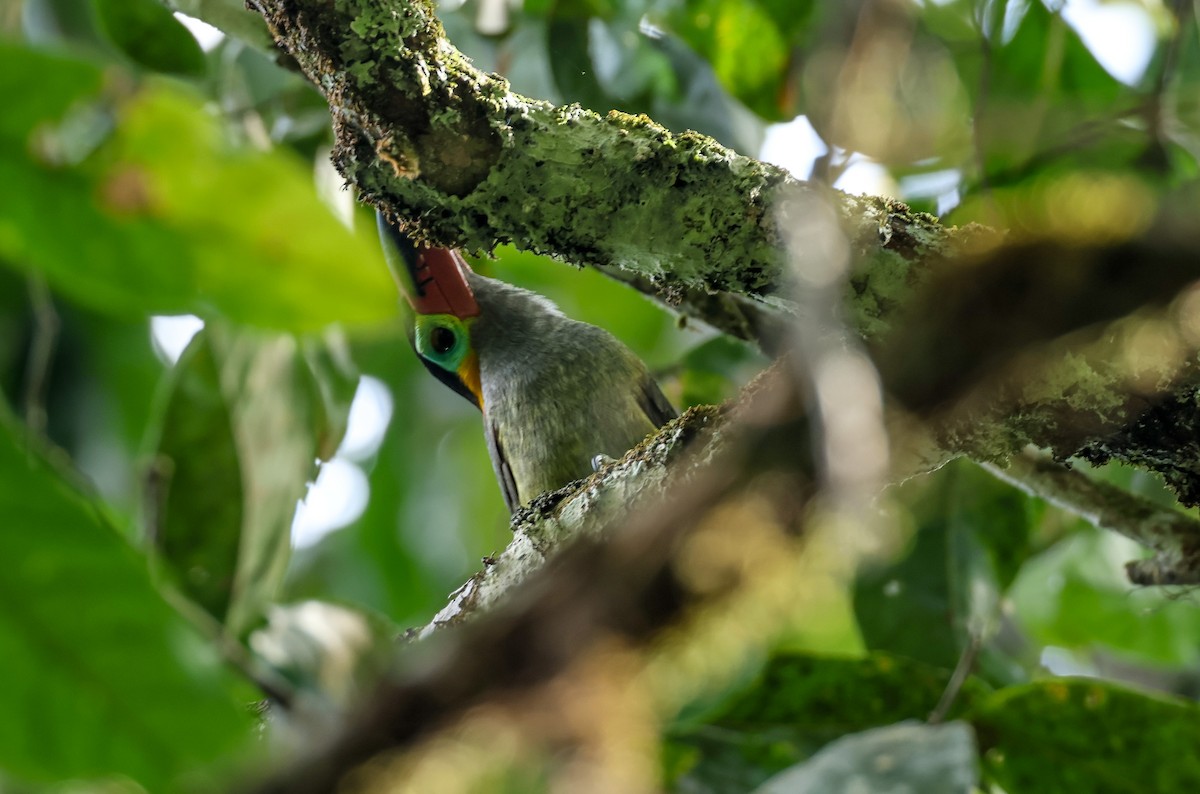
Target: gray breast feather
556,392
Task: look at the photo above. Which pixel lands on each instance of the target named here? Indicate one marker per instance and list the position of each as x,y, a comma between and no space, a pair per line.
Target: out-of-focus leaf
164,217
199,479
61,83
908,758
713,370
101,677
1076,596
327,652
748,51
971,536
796,705
700,103
246,418
231,17
57,22
1042,91
1087,736
571,61
149,33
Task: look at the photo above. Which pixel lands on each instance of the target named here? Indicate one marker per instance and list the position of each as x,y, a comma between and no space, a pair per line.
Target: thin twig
966,663
46,326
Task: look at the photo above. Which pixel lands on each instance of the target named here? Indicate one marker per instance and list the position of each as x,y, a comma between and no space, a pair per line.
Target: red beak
433,280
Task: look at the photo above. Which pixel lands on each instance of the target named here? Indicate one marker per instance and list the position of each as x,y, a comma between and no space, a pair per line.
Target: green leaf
1076,596
101,677
972,533
1087,736
1043,91
745,46
149,33
231,17
246,418
60,83
571,61
794,706
165,216
908,757
199,482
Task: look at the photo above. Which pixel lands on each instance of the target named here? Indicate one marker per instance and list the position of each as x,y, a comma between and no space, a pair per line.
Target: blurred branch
1174,536
618,593
1072,347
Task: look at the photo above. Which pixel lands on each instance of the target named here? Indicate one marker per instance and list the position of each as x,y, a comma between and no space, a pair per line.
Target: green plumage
556,392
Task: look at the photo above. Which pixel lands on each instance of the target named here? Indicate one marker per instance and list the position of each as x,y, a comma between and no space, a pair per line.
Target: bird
557,395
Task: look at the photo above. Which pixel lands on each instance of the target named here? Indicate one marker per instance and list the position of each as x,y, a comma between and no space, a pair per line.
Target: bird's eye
441,339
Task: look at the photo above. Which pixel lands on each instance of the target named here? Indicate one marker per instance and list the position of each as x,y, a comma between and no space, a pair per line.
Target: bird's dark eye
441,339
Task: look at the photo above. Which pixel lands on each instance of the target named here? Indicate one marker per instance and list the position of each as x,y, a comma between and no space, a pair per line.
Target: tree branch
464,161
1174,536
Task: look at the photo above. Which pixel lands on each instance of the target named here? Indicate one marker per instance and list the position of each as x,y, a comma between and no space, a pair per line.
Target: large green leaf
163,215
793,707
101,677
1076,596
907,757
151,35
747,48
198,482
971,536
232,17
246,417
1087,736
1041,99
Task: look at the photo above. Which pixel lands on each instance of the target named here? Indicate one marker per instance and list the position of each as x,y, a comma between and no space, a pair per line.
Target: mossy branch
464,161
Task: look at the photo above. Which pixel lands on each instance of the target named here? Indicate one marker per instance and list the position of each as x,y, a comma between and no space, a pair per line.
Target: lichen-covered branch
465,161
589,509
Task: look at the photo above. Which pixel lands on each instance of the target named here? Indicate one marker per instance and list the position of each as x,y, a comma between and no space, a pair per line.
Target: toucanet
555,393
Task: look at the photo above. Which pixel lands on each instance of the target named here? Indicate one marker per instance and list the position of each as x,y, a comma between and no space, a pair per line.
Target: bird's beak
432,280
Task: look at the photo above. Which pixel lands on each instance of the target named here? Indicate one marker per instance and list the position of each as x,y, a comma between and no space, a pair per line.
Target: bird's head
434,282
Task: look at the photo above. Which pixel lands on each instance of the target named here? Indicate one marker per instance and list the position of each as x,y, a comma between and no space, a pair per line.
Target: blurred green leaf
149,33
907,757
793,707
101,677
743,43
198,479
972,533
231,17
245,420
166,217
1042,93
1076,596
59,22
571,61
1087,736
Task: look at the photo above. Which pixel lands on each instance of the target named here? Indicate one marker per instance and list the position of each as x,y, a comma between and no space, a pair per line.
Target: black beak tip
397,248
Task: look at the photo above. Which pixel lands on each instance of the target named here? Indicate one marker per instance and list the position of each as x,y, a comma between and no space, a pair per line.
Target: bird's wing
658,409
504,475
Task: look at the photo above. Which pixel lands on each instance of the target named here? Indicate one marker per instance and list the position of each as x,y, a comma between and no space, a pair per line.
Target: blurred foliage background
160,177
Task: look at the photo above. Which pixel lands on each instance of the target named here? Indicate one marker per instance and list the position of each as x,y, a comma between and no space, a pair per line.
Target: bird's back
557,392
